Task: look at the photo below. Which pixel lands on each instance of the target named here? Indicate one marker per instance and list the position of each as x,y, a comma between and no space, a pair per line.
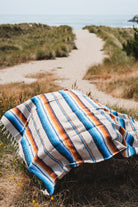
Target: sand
70,70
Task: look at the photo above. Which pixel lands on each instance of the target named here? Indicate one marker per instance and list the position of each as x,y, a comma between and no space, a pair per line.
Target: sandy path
70,69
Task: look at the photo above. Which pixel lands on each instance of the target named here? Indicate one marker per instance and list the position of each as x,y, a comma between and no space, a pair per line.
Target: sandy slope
70,69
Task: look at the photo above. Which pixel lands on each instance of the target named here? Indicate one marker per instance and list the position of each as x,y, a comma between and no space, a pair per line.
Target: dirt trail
70,70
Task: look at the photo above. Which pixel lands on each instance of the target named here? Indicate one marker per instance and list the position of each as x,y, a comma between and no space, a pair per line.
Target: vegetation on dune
118,74
131,47
113,37
23,42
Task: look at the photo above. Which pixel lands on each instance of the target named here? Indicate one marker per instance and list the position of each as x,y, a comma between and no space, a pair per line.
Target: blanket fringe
0,123
8,135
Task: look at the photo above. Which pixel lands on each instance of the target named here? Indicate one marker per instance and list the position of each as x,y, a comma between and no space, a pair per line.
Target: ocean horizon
75,21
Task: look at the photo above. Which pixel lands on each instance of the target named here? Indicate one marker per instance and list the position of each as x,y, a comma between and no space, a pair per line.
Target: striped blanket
60,130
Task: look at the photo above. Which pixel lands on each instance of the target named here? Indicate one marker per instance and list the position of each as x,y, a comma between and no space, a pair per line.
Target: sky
83,7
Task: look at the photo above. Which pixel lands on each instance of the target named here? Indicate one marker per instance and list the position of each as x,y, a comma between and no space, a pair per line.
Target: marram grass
23,42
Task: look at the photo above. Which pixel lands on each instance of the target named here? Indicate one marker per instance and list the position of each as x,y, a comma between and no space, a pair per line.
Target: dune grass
23,42
118,75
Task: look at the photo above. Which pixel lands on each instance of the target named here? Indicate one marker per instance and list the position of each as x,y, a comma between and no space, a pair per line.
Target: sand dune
70,70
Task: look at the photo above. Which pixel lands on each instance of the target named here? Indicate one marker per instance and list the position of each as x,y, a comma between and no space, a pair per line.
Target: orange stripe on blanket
20,115
35,149
107,110
78,132
97,123
60,129
46,168
30,137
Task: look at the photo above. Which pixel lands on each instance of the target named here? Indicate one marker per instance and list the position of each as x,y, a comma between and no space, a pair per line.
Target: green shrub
131,47
40,55
6,48
119,58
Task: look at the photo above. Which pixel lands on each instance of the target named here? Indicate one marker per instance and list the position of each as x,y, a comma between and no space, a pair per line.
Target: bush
119,58
40,55
6,48
131,47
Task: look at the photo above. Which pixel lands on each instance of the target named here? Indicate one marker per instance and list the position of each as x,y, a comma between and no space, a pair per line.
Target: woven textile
60,130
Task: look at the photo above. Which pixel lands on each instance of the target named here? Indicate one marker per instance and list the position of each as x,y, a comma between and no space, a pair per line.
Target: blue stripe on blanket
58,162
109,140
88,125
102,112
16,122
129,139
121,122
51,133
75,130
37,171
27,151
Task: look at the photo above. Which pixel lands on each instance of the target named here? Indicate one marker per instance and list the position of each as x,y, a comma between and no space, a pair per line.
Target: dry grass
16,93
120,82
118,75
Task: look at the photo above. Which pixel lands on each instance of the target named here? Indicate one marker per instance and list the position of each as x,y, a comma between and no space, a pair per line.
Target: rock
135,19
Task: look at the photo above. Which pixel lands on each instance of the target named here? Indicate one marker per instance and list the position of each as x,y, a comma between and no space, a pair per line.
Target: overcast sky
69,7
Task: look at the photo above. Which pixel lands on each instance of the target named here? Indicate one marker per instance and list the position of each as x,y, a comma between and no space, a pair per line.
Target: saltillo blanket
60,130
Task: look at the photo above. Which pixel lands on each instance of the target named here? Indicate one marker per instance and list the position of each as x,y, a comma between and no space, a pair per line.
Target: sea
75,21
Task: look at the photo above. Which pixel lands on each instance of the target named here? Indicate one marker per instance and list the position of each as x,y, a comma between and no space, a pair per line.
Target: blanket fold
60,130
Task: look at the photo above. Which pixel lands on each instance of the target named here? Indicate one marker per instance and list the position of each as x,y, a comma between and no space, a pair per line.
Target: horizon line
66,14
